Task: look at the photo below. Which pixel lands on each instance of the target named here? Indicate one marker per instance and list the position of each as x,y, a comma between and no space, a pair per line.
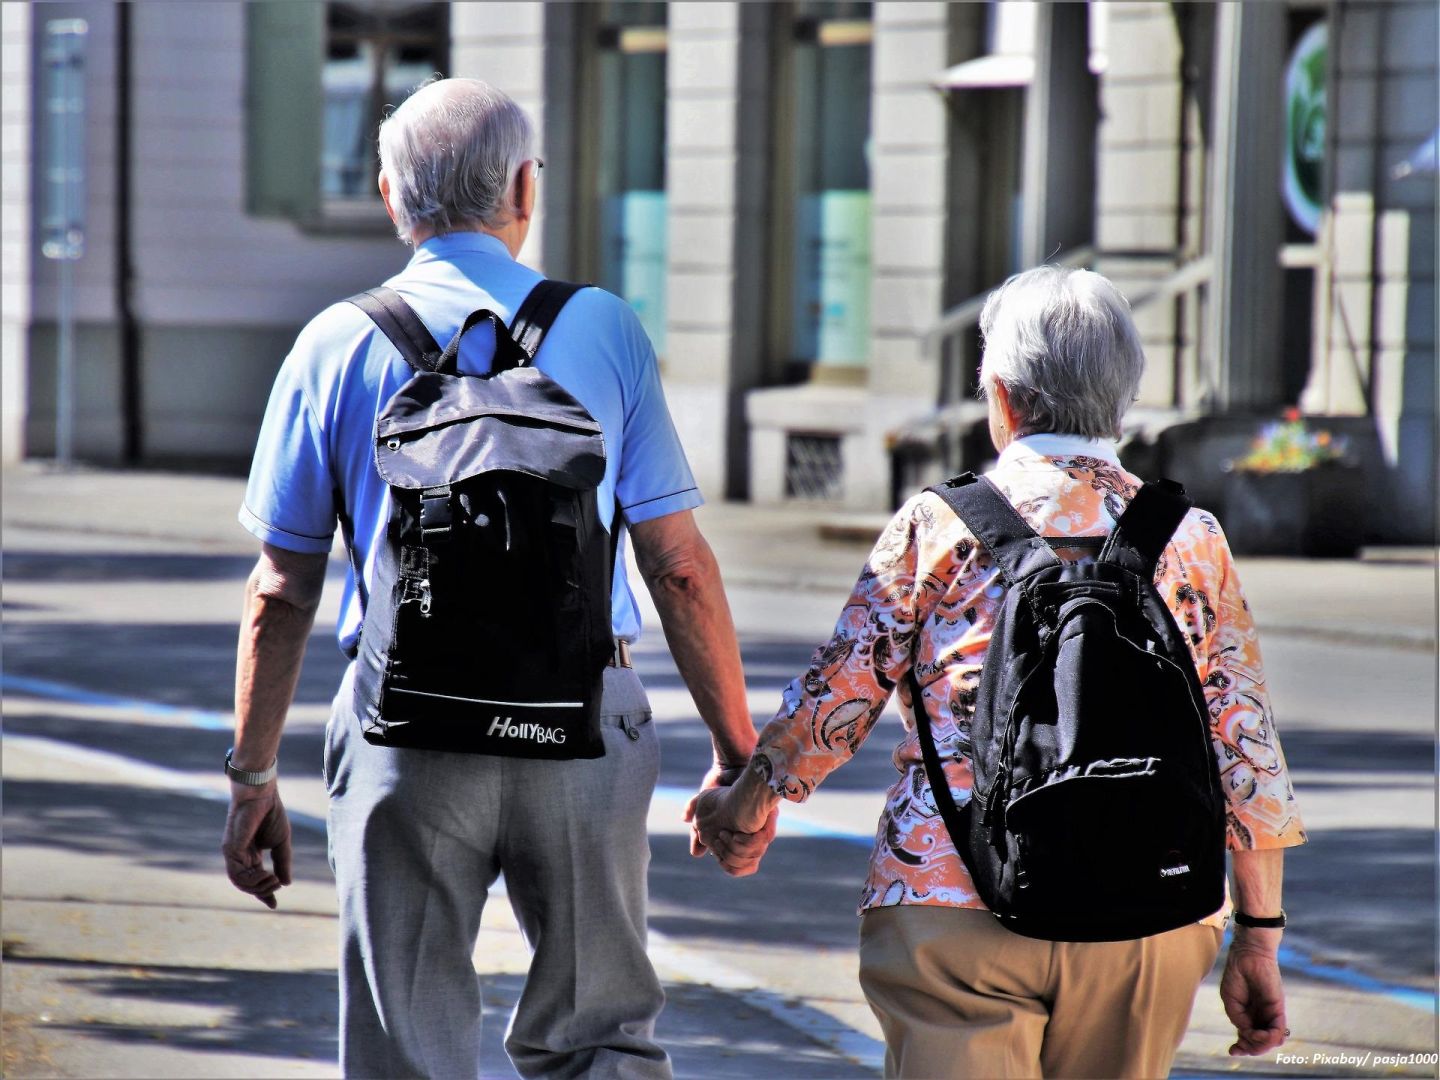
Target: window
320,78
631,233
375,57
823,179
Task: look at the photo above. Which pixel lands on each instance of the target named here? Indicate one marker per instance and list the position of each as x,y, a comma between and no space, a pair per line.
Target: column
909,128
504,43
15,222
1246,223
1059,169
717,141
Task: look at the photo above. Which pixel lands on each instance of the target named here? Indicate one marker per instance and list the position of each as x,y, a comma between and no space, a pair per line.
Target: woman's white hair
452,151
1065,347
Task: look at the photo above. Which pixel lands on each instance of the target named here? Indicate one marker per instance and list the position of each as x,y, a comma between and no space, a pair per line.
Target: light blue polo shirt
316,454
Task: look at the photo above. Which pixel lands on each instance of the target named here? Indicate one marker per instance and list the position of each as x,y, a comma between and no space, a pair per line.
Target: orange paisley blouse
928,574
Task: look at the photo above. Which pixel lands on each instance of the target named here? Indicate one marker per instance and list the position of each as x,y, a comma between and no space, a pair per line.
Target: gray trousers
417,837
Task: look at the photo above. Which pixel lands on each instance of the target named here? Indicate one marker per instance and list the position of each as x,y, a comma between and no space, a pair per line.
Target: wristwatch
252,779
1276,923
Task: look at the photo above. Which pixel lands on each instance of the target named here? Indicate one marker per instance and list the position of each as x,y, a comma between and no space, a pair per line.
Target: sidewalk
1387,599
127,954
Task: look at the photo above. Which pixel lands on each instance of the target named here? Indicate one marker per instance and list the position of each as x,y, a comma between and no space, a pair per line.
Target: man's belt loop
620,657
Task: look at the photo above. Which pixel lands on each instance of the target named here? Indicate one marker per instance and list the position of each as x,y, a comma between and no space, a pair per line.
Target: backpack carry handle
507,353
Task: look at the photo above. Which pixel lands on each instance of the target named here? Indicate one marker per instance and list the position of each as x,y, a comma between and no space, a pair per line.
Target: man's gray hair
1065,347
452,151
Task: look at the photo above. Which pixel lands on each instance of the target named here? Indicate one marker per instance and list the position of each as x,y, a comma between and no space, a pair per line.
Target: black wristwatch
1276,923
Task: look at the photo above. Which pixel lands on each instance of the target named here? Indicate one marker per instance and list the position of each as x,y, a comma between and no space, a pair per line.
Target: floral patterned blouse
928,573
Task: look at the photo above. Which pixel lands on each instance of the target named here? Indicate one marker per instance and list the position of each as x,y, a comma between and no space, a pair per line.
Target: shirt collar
449,245
1032,447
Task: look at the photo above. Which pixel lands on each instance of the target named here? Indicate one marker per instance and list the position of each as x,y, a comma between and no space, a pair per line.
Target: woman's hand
734,824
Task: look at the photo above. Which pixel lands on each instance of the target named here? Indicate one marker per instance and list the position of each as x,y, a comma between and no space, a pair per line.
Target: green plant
1288,446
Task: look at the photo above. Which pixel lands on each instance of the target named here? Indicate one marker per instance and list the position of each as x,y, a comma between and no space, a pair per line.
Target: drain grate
814,469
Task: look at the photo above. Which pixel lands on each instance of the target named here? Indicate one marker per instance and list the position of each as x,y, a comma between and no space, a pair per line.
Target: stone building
804,201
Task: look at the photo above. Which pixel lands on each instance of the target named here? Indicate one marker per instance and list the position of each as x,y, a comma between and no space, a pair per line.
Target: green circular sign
1304,178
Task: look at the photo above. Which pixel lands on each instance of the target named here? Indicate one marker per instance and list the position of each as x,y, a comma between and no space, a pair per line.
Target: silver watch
253,779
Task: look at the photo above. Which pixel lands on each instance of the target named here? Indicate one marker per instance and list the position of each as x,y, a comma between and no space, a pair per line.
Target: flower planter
1319,513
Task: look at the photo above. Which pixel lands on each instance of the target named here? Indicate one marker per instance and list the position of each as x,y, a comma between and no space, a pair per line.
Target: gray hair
452,151
1065,347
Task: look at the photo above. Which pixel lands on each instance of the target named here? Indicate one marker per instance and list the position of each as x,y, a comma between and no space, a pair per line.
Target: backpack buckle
437,514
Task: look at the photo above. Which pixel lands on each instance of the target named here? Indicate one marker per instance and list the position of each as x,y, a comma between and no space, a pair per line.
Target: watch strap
1255,923
248,777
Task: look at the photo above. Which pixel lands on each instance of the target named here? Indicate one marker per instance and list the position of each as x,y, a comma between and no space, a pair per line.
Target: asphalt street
126,952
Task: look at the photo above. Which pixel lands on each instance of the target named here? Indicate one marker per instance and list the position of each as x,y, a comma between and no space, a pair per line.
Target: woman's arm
830,709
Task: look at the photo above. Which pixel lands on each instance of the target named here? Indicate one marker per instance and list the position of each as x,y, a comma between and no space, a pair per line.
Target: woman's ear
384,183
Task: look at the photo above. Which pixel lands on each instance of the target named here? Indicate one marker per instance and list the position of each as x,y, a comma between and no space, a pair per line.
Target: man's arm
280,602
1250,988
684,580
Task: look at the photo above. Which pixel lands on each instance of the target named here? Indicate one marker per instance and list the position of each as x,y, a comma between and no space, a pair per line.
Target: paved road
127,954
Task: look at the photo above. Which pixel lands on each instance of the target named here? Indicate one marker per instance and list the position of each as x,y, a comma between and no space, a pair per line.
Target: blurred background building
805,202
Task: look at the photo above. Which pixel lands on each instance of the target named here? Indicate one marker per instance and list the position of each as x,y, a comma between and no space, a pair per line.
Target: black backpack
488,626
1096,812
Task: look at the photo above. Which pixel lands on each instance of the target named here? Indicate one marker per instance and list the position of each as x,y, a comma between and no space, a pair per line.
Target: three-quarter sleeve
1261,811
827,712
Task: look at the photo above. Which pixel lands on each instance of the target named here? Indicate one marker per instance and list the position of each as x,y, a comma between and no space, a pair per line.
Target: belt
621,656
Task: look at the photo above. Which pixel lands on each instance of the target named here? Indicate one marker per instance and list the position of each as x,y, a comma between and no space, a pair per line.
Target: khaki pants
958,995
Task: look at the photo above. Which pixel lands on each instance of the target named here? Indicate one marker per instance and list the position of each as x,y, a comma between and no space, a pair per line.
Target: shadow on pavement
709,1034
1357,751
290,1014
173,831
172,746
37,566
1380,910
184,665
805,894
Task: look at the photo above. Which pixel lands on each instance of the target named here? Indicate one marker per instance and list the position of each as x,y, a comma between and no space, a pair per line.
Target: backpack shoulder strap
1146,527
1016,548
538,313
398,322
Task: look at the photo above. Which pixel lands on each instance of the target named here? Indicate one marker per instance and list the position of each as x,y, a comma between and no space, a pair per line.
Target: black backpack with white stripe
487,627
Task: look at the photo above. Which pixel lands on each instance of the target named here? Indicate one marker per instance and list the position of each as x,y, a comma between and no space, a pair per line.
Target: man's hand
257,823
280,601
1254,999
721,823
719,775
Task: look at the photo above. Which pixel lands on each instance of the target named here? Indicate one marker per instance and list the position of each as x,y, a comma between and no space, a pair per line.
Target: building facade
804,201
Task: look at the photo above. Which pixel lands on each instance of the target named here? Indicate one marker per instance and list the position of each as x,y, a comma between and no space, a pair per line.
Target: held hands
723,821
1251,991
257,823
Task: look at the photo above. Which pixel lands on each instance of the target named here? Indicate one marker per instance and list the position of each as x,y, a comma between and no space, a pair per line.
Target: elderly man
418,836
956,992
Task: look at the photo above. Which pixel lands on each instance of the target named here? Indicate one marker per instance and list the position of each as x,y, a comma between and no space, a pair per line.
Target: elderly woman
956,993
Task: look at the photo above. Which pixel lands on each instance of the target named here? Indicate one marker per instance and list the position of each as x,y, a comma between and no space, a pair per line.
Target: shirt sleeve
1261,811
290,497
654,478
829,711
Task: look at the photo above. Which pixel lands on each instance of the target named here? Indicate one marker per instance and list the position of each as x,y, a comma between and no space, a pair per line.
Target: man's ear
385,196
525,191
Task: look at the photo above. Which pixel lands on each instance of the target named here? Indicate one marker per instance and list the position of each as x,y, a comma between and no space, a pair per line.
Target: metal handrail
943,426
967,313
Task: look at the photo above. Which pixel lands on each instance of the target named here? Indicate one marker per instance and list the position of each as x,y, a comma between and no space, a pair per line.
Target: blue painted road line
789,823
1424,1000
44,688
